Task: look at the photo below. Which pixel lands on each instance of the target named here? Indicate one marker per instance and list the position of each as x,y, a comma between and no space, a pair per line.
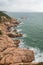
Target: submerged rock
24,17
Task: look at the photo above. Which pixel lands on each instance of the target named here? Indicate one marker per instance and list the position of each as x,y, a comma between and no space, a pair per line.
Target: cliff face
10,54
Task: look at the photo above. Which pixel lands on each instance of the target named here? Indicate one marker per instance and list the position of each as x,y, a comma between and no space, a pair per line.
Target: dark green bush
4,14
0,32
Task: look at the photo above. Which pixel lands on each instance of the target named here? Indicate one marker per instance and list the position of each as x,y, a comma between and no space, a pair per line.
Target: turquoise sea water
32,28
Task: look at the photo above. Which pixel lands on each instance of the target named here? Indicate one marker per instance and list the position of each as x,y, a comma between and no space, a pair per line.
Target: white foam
38,54
21,45
11,29
39,57
18,30
21,23
24,35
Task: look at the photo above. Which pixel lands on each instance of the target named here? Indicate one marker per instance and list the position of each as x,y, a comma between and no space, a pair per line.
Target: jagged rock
15,30
16,55
16,42
12,35
3,19
3,28
5,42
10,54
14,21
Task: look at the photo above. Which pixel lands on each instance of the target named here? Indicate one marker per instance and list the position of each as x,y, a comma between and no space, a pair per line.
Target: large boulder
16,55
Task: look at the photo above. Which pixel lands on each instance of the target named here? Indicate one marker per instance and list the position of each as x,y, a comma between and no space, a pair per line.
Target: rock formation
10,53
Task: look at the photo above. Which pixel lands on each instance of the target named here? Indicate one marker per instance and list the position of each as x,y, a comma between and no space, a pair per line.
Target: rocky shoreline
10,53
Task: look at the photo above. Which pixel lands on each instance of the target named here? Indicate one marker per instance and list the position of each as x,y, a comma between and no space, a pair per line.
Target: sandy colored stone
5,42
16,55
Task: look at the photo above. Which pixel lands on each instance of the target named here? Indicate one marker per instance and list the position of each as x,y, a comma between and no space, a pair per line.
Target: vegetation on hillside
4,17
1,32
4,14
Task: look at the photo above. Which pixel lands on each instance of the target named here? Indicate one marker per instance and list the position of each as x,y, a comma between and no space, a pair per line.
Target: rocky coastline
10,53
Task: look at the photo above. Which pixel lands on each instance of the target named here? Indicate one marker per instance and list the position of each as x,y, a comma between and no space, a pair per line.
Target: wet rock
15,30
12,35
16,42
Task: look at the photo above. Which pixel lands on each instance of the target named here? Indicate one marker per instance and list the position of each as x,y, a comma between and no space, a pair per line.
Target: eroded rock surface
12,35
16,55
5,42
10,54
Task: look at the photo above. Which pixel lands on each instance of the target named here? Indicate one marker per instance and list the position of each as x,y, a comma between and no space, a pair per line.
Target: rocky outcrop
9,24
3,28
16,55
5,42
12,35
16,42
12,23
10,54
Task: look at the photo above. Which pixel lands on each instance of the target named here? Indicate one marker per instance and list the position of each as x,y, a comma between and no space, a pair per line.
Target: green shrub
4,14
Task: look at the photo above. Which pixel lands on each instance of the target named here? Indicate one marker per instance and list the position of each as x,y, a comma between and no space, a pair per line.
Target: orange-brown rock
9,24
16,55
3,19
12,22
12,35
10,54
16,42
3,28
5,42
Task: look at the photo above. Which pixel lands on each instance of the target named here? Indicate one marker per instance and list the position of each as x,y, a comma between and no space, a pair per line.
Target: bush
4,14
0,19
0,32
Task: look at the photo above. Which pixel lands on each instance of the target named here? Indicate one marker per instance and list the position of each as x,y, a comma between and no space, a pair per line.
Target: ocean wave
18,30
21,45
21,23
19,26
24,35
38,54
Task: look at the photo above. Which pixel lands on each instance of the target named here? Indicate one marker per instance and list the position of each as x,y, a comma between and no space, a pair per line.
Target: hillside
3,14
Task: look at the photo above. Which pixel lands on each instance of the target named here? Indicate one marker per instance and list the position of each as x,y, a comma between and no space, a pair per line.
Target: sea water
32,29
